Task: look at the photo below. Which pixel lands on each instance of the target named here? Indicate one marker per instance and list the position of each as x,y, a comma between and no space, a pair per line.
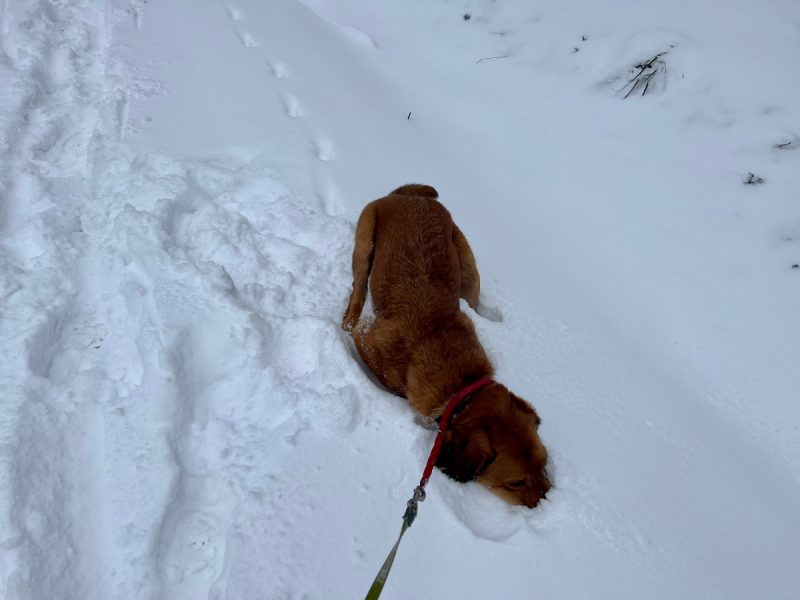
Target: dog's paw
350,320
351,316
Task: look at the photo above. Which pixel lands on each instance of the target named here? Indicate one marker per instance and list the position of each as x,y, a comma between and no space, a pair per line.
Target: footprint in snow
328,195
323,148
291,105
137,14
279,69
235,14
196,556
248,41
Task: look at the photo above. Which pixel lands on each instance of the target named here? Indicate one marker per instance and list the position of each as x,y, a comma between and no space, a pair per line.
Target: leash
419,491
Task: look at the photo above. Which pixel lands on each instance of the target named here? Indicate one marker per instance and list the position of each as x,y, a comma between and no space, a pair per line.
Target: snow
181,416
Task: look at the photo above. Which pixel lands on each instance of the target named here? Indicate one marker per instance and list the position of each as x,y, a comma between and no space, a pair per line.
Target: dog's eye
515,485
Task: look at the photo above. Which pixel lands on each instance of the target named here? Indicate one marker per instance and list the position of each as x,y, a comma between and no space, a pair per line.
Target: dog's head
496,442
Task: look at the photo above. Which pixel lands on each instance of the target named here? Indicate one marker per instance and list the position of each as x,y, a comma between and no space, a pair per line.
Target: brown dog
421,346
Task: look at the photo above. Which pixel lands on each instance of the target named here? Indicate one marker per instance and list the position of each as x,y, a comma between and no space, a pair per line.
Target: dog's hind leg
362,264
378,344
470,279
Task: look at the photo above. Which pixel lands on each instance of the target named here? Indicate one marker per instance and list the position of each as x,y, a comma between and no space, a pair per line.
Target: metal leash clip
412,504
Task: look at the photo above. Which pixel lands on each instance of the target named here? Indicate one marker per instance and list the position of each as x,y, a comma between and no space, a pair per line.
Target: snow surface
180,415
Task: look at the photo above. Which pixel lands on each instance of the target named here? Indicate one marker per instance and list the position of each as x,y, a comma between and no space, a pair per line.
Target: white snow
181,416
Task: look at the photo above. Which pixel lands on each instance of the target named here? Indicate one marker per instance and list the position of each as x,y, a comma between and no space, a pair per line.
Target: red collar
455,400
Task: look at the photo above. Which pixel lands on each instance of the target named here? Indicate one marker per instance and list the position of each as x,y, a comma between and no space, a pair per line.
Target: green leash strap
462,395
380,580
408,518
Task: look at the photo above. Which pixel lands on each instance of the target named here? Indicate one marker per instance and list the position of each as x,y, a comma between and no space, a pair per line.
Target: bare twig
634,78
642,78
480,60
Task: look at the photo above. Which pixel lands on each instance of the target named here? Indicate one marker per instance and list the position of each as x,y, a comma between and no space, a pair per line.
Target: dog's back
416,263
415,266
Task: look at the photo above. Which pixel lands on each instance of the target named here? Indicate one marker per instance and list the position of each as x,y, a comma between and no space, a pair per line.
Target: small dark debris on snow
584,38
467,16
480,60
408,118
787,145
753,179
576,49
795,266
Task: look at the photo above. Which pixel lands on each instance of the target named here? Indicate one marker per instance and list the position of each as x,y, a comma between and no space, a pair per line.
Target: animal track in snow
136,13
323,148
279,69
196,555
248,41
328,195
235,14
291,104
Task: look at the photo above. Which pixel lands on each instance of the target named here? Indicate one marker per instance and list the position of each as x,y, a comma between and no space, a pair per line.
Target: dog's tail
416,189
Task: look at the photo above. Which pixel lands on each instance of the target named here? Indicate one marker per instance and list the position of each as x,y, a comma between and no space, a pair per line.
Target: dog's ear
465,453
519,404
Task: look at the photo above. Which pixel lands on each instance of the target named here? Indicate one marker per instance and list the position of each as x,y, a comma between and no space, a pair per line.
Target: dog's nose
532,499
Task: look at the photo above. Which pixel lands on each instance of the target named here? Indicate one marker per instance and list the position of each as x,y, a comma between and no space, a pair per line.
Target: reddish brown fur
420,345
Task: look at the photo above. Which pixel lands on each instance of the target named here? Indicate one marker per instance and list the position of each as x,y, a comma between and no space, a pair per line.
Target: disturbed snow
180,415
